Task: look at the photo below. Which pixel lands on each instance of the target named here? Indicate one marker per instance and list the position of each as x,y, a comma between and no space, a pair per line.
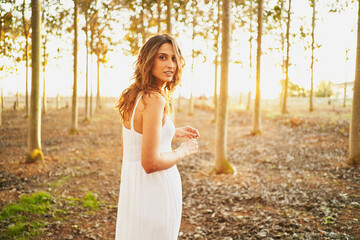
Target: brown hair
145,82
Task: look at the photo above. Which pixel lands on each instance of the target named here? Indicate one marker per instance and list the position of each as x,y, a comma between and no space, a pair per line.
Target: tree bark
44,92
158,2
57,101
217,60
98,100
257,111
192,101
250,56
354,141
346,76
87,114
74,118
26,33
168,16
311,108
284,107
221,162
91,86
34,132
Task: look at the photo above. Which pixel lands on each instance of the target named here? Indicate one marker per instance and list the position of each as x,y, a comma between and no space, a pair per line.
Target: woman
150,199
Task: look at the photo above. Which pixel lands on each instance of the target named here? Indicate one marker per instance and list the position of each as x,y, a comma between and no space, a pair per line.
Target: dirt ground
292,182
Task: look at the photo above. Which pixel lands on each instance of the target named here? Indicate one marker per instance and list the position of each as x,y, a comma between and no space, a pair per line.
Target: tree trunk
284,107
192,101
87,114
26,33
221,162
74,118
1,103
158,2
91,86
283,55
34,132
354,141
168,16
346,76
17,99
57,101
257,111
250,57
44,92
216,60
98,100
311,108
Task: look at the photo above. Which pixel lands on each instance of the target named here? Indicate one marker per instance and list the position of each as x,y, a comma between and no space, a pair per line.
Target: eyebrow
164,54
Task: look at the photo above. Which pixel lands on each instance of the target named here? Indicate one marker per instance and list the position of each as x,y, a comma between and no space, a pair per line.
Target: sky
335,32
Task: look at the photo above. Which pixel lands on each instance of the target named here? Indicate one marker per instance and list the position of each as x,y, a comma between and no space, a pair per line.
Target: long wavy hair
144,81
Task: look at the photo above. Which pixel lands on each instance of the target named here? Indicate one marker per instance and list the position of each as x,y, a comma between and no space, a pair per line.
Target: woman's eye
162,57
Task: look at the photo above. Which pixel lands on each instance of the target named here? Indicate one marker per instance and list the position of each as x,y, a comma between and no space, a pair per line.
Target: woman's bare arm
151,158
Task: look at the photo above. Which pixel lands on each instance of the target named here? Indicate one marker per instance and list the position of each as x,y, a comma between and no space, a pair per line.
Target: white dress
149,205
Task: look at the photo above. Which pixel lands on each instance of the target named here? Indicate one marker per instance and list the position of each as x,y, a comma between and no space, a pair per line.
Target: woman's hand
187,148
187,132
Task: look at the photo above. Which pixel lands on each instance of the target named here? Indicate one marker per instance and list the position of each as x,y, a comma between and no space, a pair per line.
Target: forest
272,86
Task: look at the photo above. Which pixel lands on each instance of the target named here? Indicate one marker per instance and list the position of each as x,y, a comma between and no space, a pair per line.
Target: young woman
150,199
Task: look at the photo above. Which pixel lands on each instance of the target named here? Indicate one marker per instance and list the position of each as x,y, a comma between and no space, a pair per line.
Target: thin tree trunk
221,162
283,54
27,108
98,100
34,132
17,99
284,107
44,92
91,86
250,57
74,119
192,101
168,16
354,141
346,76
311,108
1,102
26,32
57,101
257,111
158,2
216,60
87,114
2,94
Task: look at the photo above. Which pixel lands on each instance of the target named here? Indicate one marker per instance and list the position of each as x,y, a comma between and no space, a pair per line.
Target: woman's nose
171,64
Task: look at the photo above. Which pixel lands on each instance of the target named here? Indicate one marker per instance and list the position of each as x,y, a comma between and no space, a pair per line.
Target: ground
292,182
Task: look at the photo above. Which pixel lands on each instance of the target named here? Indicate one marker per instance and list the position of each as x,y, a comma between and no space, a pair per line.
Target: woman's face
165,65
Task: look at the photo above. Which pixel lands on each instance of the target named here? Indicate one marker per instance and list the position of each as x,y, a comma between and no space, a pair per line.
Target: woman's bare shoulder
154,98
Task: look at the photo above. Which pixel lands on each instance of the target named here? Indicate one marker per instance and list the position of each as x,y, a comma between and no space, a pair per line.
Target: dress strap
133,114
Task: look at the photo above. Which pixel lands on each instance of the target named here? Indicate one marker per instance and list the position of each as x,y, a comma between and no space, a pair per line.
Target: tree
216,60
5,24
354,141
168,16
284,102
257,112
221,162
26,26
311,108
346,77
74,118
34,133
85,8
251,13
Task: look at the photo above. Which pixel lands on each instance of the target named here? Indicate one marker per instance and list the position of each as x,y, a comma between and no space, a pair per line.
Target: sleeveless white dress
149,205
